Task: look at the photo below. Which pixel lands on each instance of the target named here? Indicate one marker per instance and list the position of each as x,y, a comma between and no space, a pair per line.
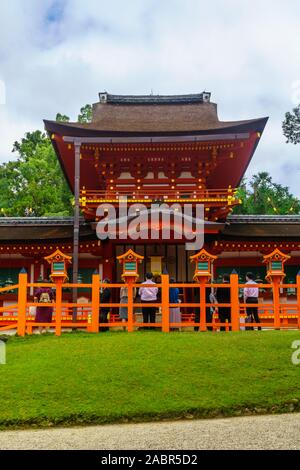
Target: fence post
58,305
298,299
165,310
22,300
203,281
276,302
234,297
93,327
130,282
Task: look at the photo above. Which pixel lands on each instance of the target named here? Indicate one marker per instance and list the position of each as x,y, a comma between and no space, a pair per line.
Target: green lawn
99,378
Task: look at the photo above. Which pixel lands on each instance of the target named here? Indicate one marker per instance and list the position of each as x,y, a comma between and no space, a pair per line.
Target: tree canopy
62,118
34,184
85,114
262,196
291,126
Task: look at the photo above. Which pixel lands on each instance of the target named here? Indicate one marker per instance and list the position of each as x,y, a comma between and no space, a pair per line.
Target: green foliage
62,118
291,126
30,143
87,378
85,115
34,185
263,196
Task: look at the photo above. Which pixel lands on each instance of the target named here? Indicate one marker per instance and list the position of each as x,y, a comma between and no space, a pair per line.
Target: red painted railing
150,194
275,314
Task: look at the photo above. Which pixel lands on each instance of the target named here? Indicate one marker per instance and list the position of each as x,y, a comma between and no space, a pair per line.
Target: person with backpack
44,295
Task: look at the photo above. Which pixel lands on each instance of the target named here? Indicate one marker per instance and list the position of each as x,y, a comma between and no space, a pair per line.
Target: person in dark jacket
104,299
223,297
175,316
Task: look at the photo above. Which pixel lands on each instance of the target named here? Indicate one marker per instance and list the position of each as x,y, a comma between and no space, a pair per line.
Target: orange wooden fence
275,313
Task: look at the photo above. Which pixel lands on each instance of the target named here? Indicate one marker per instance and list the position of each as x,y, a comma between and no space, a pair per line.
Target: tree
263,196
291,126
30,143
34,184
62,118
242,194
85,115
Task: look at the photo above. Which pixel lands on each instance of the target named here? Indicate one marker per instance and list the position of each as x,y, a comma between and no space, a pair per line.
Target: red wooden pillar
276,302
234,296
202,281
22,300
165,310
94,326
130,325
108,269
58,305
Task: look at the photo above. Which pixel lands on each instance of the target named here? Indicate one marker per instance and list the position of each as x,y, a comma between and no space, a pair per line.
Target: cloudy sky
56,55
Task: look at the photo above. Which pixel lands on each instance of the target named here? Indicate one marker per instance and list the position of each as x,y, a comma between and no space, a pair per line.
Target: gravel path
251,432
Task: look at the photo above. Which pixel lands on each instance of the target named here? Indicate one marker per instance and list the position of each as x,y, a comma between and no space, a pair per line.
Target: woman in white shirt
251,297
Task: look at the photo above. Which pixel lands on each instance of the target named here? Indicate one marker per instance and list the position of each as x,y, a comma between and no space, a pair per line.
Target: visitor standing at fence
148,295
44,295
123,311
223,297
175,315
251,297
104,299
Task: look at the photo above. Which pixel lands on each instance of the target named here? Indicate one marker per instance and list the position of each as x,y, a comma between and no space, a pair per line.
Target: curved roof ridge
190,98
155,128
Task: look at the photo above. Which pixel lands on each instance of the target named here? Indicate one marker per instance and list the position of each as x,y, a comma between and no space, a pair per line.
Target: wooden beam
76,223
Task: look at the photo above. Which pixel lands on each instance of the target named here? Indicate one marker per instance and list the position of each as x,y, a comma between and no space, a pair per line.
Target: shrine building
171,149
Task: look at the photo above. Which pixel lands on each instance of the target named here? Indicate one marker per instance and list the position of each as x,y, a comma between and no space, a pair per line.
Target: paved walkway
257,432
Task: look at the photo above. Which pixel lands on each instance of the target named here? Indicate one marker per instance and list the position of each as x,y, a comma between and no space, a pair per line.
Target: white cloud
56,55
